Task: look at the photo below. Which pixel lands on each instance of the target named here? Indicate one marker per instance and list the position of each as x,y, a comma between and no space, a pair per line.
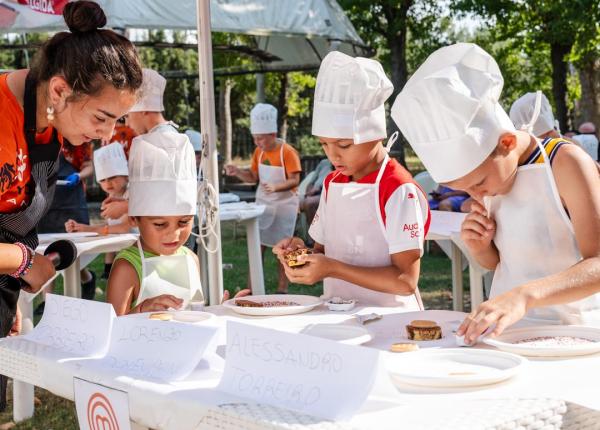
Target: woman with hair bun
81,82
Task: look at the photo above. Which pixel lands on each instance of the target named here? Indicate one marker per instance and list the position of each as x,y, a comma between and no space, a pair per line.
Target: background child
372,218
276,167
537,220
110,165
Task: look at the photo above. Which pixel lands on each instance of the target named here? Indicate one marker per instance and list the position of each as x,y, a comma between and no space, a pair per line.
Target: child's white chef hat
110,161
263,119
162,175
349,99
151,92
449,111
521,114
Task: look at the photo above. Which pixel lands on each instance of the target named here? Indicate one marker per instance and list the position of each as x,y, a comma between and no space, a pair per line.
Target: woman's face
164,235
92,117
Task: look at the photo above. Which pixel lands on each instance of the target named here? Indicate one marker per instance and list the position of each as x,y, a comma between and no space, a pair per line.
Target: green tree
556,24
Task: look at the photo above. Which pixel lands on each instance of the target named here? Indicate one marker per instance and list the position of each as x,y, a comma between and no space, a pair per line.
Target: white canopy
299,32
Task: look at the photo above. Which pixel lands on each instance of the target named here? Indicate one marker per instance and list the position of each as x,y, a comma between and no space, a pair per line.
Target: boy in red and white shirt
372,218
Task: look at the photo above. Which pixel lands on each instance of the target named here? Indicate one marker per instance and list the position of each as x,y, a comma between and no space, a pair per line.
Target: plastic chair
426,182
302,223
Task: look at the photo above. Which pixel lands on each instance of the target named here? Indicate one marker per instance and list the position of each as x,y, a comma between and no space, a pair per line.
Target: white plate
453,367
506,341
179,316
347,334
51,237
305,304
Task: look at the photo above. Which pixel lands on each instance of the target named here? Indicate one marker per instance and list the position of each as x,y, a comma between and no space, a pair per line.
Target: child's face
266,142
350,159
163,235
115,185
496,175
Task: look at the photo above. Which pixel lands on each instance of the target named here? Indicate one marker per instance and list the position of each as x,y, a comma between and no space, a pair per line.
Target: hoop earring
50,113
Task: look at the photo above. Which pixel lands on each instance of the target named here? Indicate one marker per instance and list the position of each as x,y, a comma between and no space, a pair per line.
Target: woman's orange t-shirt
15,168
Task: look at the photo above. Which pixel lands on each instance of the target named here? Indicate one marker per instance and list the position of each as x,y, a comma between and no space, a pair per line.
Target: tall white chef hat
263,119
110,161
349,99
162,175
151,93
521,114
449,111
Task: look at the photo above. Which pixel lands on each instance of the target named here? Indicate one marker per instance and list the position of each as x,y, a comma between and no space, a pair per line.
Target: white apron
176,275
535,239
281,208
355,235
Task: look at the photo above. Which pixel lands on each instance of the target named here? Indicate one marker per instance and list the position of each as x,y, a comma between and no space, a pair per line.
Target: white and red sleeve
317,227
406,215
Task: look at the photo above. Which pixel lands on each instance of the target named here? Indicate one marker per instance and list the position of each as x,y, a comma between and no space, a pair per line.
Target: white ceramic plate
51,237
305,304
506,341
179,316
347,334
453,367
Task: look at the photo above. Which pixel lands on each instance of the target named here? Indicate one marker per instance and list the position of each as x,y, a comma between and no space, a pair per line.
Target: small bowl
346,306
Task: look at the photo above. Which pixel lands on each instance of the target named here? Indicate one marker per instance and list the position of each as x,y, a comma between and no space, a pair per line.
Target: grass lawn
52,412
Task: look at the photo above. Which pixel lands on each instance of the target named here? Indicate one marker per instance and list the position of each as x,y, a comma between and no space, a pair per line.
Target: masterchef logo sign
52,7
100,413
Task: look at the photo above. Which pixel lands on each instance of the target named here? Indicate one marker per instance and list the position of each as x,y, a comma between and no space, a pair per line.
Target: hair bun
82,16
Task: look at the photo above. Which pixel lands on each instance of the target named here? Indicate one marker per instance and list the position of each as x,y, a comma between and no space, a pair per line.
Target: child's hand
501,311
317,267
72,226
269,188
242,293
477,230
113,207
286,246
161,303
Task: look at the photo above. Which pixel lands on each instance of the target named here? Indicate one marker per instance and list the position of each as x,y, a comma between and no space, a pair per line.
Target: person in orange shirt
79,84
276,167
122,134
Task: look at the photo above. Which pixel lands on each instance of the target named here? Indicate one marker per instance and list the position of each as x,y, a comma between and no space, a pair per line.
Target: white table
247,214
87,249
194,402
445,226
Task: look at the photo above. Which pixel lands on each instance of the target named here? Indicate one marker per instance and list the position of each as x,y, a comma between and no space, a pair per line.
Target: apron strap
141,251
536,113
388,146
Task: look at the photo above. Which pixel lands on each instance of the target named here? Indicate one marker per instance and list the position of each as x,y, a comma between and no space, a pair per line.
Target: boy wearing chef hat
276,167
146,115
522,110
537,222
110,165
159,272
372,218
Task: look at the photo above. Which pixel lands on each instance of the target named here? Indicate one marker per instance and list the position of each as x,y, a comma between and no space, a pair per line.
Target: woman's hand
501,312
160,303
317,267
41,270
232,170
477,230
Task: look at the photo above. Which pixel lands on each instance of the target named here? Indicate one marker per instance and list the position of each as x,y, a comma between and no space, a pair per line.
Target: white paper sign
151,349
80,327
445,223
100,407
316,376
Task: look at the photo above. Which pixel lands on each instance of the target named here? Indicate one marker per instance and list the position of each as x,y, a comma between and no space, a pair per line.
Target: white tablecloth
187,404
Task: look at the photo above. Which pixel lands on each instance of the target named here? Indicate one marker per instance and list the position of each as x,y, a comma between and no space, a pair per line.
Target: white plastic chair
426,182
302,223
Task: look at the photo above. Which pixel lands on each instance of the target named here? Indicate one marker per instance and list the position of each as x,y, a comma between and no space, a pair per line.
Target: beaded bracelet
26,262
30,264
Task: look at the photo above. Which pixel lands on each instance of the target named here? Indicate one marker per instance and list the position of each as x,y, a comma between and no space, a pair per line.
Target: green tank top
133,257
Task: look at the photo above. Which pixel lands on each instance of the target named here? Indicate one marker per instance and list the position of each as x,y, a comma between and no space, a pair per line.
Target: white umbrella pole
208,128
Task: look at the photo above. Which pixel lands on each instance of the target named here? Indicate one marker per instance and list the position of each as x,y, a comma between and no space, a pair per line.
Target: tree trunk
589,105
225,121
396,41
282,107
559,82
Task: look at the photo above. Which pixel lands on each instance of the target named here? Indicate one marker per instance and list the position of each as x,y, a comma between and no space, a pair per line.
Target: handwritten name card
150,349
295,371
80,327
